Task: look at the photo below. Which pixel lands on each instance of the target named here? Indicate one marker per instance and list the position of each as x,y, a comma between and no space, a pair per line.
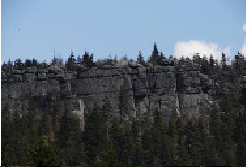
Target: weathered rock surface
147,88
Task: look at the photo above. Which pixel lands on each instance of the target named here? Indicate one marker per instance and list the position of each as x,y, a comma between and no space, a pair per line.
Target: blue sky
33,28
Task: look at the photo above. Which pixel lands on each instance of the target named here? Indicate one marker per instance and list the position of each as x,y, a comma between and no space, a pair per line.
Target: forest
30,141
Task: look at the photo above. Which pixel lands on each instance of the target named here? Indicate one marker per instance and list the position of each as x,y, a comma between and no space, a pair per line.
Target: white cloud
244,27
243,50
187,48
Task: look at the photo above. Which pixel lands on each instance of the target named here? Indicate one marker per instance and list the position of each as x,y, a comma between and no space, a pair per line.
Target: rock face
167,88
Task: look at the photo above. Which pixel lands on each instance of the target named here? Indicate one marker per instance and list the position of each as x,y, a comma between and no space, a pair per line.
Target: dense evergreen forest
30,141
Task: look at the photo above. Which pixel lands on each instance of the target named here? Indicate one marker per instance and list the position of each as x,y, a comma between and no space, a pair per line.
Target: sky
35,28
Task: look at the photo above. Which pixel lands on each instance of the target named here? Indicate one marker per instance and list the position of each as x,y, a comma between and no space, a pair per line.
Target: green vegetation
28,141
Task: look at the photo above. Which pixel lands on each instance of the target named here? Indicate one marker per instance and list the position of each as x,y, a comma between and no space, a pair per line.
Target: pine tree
182,152
127,146
43,155
115,135
240,138
196,146
155,53
6,137
95,134
211,64
147,143
34,62
87,60
154,59
215,126
136,149
70,65
210,154
5,157
5,115
173,140
63,134
204,66
107,157
141,59
228,145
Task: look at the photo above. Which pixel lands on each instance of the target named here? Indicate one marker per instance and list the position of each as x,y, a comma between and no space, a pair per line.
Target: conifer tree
141,58
215,126
95,134
210,154
155,56
155,53
240,138
43,155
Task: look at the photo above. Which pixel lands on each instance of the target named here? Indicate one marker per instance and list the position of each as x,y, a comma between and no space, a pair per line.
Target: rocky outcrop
167,88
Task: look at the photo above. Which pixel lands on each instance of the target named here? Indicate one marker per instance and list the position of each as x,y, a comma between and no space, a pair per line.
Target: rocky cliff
181,89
